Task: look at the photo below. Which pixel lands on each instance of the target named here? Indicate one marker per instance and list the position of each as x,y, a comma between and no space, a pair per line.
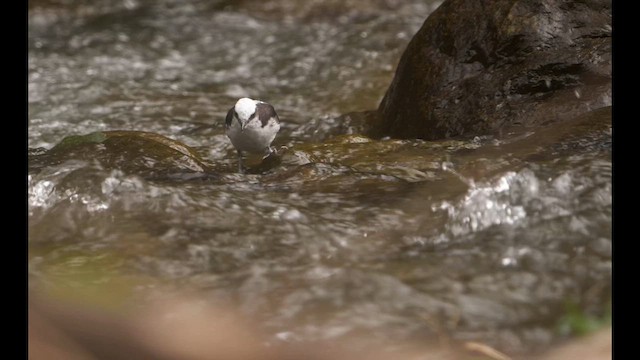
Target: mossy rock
130,151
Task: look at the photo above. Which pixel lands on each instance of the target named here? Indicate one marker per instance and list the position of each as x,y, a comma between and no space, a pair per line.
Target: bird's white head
245,107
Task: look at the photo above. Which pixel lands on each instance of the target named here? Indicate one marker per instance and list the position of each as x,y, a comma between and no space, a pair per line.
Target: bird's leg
268,151
240,168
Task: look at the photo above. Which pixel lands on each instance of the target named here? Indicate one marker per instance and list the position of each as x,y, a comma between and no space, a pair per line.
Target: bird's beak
242,125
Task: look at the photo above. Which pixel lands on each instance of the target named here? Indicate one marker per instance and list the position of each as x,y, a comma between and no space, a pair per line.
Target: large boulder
478,66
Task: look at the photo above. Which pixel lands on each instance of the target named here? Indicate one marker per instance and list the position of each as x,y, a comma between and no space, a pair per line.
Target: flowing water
488,239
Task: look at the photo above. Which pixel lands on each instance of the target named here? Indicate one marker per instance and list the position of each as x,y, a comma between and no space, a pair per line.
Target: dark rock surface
475,67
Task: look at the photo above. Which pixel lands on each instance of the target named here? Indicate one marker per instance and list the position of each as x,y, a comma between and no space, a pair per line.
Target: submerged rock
317,10
477,66
130,151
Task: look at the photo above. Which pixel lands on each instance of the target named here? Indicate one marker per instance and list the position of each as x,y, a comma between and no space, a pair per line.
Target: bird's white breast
254,138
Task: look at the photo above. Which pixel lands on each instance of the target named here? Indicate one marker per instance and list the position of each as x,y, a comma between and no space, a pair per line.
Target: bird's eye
252,116
236,115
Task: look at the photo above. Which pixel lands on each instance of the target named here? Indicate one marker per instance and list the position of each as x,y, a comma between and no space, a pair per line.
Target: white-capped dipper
251,126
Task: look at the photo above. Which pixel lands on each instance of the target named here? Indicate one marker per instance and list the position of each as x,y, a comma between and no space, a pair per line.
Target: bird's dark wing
229,118
266,112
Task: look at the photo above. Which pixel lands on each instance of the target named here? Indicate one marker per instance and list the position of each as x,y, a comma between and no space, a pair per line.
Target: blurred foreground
187,328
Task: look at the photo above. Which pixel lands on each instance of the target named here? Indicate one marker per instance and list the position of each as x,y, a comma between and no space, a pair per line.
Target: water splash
487,204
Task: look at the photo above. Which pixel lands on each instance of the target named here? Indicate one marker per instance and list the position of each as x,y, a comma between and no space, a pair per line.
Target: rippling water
486,238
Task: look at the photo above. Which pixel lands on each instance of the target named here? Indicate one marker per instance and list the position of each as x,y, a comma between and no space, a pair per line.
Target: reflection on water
348,237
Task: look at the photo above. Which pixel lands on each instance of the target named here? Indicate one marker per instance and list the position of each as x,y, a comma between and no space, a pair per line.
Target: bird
252,125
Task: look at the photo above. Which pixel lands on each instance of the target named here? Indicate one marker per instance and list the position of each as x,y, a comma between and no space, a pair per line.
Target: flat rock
130,151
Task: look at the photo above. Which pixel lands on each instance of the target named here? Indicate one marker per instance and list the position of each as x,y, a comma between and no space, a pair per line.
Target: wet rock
475,67
130,151
317,10
588,132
